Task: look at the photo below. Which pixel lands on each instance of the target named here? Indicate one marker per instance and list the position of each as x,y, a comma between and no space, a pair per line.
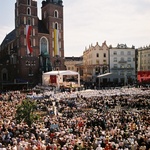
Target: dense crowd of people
115,119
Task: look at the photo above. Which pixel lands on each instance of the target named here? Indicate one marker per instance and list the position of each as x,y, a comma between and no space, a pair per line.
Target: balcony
116,68
122,61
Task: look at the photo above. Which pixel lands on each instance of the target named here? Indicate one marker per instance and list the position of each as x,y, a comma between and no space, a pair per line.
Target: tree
26,112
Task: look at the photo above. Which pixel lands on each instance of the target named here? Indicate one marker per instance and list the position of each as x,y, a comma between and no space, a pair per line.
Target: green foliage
26,112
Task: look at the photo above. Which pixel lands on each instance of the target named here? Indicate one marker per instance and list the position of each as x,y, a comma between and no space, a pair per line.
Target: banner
56,42
143,76
53,79
28,40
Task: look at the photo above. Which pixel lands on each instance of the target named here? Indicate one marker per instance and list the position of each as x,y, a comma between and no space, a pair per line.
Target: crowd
115,119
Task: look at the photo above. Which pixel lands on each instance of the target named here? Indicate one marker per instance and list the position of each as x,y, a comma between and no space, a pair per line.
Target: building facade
143,71
123,64
75,64
34,46
95,61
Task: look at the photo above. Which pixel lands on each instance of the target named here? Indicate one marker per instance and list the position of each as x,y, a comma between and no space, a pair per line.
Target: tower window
28,11
33,21
29,2
56,14
56,26
24,20
29,21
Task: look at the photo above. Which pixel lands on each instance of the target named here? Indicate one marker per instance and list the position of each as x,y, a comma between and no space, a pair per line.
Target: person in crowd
81,120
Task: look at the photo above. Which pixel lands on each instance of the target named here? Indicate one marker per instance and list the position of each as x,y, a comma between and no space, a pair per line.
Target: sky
87,22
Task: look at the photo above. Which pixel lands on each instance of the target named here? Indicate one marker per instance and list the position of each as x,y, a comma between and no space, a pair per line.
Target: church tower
35,45
52,17
26,27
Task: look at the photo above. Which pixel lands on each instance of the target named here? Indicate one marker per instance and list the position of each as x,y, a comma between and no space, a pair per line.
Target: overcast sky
89,21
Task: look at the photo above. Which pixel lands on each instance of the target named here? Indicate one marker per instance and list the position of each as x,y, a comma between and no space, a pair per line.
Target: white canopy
108,75
60,73
104,75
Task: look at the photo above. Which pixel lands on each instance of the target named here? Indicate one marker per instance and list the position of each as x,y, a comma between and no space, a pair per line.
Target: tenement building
123,64
95,62
144,64
35,45
75,64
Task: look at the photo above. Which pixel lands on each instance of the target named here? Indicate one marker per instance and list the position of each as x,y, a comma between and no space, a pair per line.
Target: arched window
56,25
44,46
28,11
56,14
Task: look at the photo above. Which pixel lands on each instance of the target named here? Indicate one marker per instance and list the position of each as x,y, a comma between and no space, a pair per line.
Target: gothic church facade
35,45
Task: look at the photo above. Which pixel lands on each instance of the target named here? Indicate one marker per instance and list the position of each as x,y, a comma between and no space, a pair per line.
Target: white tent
59,74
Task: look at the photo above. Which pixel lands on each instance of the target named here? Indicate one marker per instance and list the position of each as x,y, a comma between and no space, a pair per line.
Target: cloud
91,21
116,21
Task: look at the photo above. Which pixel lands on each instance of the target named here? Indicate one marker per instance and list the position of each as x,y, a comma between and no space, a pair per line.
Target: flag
53,79
56,42
28,32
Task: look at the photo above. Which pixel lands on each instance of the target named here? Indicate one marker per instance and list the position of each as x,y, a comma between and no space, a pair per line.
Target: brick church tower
26,27
34,46
52,17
